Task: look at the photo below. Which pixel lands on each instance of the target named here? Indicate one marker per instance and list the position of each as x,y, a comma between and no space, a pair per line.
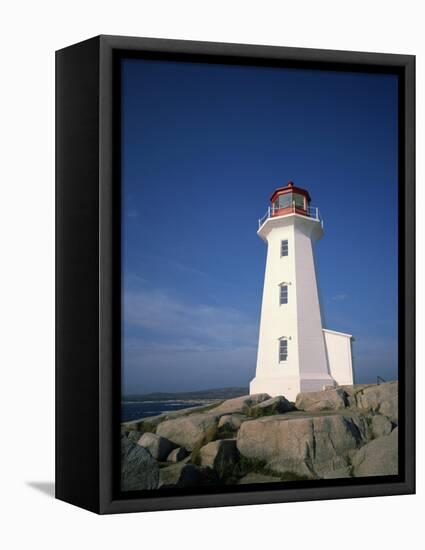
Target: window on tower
284,248
283,294
283,349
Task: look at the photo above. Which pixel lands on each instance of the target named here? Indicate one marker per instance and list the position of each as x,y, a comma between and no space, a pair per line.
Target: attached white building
295,352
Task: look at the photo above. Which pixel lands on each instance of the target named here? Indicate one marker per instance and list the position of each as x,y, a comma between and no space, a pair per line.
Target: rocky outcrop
382,398
240,404
139,470
377,398
221,455
177,455
254,477
378,458
150,423
336,433
180,475
380,425
231,422
352,391
330,399
306,446
133,435
159,447
190,431
274,405
339,473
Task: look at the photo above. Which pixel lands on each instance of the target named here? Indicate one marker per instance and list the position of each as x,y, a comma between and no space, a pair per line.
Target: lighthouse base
290,387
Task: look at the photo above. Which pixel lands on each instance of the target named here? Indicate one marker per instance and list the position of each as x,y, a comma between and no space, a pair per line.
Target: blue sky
203,147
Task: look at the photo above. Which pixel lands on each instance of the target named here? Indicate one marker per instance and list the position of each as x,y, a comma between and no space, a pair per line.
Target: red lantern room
290,199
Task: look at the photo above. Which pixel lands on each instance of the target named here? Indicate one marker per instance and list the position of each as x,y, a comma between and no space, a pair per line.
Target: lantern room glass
286,200
298,200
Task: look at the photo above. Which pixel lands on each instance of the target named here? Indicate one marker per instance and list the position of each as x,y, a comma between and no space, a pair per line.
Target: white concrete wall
339,352
277,320
312,354
299,321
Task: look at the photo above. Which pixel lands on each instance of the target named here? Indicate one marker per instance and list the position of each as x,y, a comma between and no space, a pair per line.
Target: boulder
139,470
339,473
221,455
143,425
377,458
185,475
380,398
322,400
231,422
149,423
177,455
240,404
159,447
274,405
352,391
189,431
381,425
134,435
311,446
363,423
180,475
254,477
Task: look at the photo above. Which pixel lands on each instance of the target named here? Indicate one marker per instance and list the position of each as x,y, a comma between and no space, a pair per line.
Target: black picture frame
88,272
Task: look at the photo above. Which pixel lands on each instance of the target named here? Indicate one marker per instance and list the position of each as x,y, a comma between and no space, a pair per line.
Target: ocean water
133,410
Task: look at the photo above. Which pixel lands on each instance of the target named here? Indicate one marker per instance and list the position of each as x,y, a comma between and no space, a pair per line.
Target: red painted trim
289,210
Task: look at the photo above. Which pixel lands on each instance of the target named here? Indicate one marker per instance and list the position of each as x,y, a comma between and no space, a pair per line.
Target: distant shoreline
136,410
199,395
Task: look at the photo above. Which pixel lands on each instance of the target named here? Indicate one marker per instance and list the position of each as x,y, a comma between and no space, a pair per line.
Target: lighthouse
295,352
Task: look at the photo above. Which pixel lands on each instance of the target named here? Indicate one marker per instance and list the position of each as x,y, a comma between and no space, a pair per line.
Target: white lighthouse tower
295,353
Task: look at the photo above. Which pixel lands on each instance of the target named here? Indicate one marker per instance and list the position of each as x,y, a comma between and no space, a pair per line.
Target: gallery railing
311,212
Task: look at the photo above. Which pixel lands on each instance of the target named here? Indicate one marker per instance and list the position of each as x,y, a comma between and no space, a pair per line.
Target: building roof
289,188
338,333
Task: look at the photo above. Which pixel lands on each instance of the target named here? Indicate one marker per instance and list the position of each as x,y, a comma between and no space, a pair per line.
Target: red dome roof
290,187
